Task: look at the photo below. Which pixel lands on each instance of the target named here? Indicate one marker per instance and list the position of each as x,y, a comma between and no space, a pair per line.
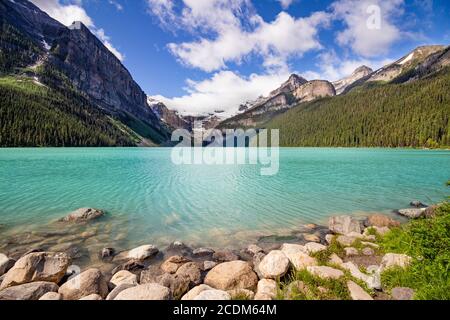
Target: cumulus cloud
285,3
67,13
225,90
370,26
230,31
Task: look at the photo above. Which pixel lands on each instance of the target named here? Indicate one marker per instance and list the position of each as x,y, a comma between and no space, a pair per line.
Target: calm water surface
152,200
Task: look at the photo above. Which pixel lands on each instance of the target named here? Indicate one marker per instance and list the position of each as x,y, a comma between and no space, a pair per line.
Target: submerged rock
417,204
225,256
83,215
203,252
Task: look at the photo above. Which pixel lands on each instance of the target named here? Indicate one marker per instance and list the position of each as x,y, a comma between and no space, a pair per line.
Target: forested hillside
413,114
34,115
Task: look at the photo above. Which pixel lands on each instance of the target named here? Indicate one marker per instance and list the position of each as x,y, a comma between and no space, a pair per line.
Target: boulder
381,220
350,251
178,284
131,265
297,256
344,225
329,238
232,275
124,277
38,266
172,264
267,288
143,252
311,237
28,291
178,248
192,271
412,213
203,252
274,265
148,291
217,295
373,281
51,296
83,215
151,275
391,260
5,264
400,293
325,272
335,259
92,297
194,292
257,258
86,283
208,265
346,241
253,249
313,247
113,294
107,253
225,256
368,251
356,292
379,230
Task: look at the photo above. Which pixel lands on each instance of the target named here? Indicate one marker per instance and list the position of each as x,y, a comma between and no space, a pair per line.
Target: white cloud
225,90
285,3
332,68
370,26
116,4
230,31
73,11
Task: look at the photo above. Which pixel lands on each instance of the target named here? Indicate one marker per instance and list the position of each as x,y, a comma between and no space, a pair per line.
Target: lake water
150,200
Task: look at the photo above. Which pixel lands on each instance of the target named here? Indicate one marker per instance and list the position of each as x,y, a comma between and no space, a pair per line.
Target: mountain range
60,86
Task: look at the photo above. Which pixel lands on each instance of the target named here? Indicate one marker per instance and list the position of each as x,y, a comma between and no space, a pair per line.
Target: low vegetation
428,242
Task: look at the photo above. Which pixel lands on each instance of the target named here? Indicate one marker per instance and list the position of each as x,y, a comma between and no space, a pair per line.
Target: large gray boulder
37,266
86,283
298,256
232,275
192,271
28,291
83,215
148,291
124,277
344,225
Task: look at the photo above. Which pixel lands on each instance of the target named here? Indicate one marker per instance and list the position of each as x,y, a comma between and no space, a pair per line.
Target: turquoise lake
154,201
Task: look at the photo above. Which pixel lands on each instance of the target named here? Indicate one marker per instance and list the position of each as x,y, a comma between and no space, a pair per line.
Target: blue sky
198,56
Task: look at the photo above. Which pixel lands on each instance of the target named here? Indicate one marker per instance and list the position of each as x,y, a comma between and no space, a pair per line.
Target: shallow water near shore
149,199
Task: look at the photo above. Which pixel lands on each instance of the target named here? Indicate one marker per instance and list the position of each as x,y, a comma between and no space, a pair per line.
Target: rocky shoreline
181,272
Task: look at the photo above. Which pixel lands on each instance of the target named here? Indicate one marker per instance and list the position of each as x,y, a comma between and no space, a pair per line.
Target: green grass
316,288
427,241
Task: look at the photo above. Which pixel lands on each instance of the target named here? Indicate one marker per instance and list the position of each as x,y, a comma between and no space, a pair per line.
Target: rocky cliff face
90,67
358,74
170,117
393,70
313,90
290,85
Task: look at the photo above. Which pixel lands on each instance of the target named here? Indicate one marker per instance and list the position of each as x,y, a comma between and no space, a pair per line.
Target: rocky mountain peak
363,70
